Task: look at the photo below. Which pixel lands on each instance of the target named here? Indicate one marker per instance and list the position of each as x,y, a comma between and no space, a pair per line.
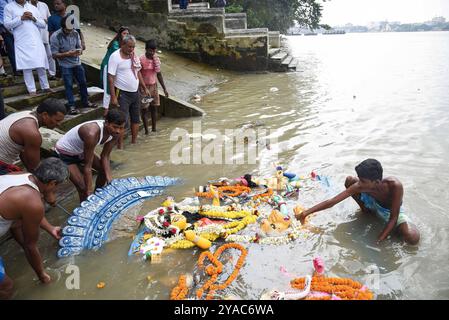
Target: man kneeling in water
374,195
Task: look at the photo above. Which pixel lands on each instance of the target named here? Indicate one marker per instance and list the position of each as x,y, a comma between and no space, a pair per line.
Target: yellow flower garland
225,215
235,227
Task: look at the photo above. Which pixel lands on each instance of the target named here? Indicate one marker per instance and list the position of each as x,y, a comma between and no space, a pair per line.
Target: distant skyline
362,12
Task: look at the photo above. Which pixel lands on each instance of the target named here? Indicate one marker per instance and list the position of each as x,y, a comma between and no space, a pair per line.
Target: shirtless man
20,136
25,218
78,147
374,195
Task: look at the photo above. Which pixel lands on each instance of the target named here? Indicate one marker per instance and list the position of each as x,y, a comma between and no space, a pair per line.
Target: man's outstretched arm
326,204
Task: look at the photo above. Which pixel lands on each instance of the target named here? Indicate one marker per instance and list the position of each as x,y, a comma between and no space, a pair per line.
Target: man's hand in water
299,214
44,278
56,232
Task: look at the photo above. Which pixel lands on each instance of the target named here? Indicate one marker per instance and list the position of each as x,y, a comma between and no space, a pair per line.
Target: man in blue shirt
66,48
7,37
54,22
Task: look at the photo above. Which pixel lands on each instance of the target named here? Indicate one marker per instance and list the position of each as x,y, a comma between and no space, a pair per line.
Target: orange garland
180,291
216,268
268,194
345,289
235,192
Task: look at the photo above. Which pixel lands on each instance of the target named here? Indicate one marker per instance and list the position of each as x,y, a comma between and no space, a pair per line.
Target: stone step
273,51
287,60
86,114
255,31
6,81
293,64
19,89
191,6
279,56
24,101
199,12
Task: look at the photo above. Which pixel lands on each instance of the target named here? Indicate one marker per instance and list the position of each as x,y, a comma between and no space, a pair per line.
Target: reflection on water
371,95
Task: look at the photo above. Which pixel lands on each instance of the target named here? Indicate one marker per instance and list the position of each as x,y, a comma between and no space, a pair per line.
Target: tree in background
278,14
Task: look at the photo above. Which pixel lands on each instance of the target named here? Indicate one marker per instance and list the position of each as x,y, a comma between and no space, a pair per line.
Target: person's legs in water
124,104
153,110
6,284
154,105
409,233
144,115
134,113
349,182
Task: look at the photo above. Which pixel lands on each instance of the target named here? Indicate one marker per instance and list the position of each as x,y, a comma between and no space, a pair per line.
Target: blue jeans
9,44
183,4
67,75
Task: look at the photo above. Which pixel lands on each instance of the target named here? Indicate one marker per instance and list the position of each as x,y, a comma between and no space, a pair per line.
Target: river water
356,96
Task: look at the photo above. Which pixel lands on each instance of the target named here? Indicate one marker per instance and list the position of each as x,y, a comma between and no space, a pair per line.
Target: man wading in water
374,195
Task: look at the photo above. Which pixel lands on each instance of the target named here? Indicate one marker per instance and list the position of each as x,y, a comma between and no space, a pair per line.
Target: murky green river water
356,96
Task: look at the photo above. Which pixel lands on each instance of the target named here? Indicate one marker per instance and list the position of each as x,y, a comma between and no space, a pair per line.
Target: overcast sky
338,12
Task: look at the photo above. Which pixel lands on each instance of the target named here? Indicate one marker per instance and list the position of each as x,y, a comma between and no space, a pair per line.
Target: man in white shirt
23,19
124,80
45,14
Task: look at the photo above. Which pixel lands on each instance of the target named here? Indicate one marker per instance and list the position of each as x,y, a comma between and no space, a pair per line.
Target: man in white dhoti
24,21
45,14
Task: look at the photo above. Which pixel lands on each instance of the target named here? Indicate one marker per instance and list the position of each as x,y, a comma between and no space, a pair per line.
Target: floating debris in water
101,285
274,89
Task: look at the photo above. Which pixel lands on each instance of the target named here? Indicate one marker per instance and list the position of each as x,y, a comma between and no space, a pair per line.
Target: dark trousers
9,43
183,4
80,76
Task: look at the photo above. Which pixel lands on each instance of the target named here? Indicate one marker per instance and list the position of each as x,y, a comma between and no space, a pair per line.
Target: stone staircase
281,61
210,35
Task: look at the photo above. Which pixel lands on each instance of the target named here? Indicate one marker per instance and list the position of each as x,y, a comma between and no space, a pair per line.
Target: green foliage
278,14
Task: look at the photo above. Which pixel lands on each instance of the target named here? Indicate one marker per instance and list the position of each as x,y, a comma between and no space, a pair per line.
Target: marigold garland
267,194
216,268
346,289
180,291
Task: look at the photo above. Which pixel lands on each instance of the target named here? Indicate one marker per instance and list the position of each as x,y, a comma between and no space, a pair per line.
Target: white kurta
44,14
30,50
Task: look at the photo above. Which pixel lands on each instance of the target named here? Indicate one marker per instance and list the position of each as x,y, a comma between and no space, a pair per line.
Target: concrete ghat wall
236,21
247,52
196,35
